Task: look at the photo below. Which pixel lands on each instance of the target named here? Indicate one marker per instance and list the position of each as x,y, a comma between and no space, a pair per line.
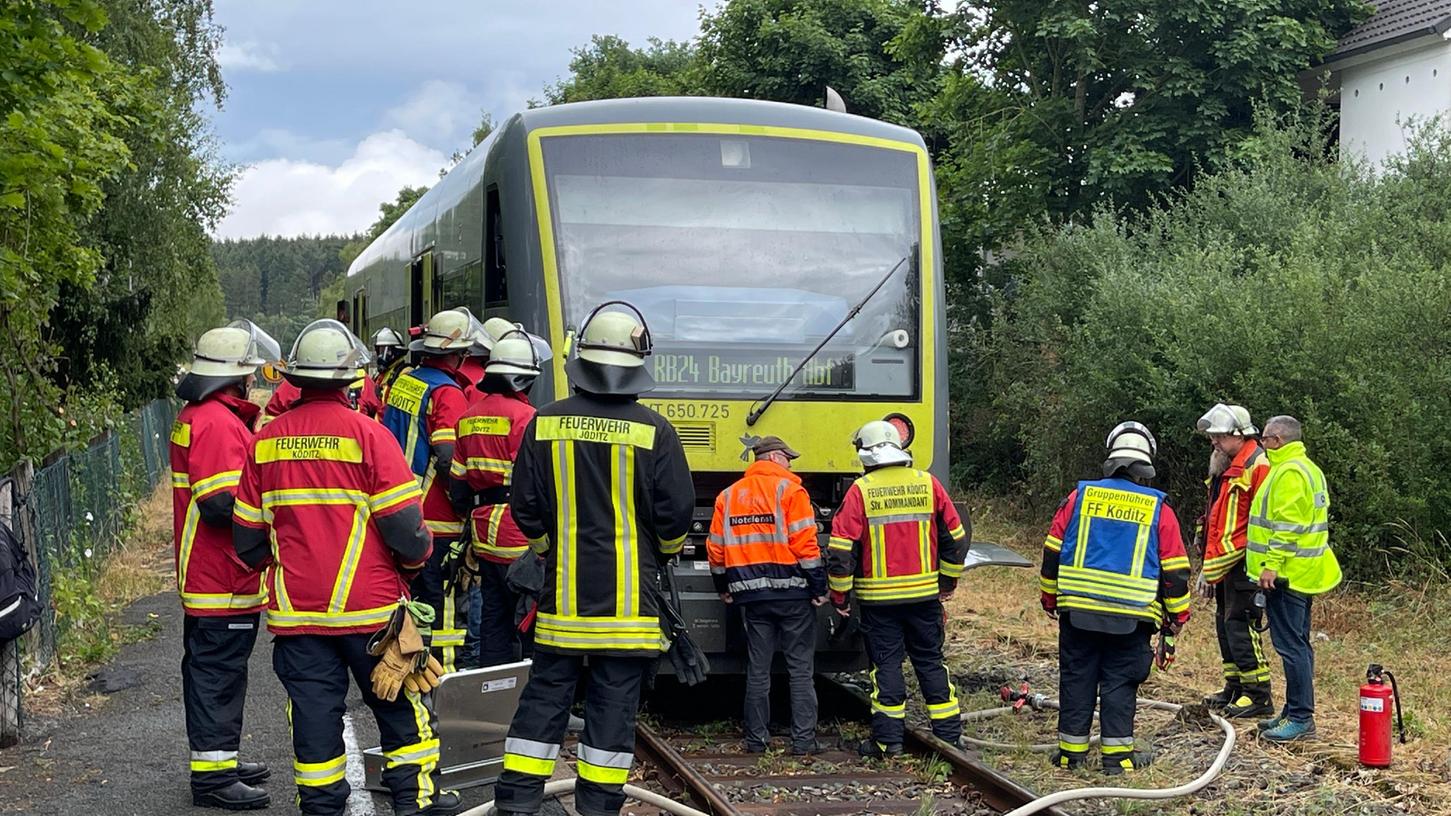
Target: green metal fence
78,503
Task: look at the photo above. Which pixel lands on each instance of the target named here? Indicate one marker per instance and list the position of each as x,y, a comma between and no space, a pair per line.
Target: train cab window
745,253
496,284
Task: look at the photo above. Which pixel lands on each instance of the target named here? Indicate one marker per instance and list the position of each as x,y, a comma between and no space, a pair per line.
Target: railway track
711,771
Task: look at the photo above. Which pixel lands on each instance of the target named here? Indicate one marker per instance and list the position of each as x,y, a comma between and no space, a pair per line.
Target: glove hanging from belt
526,579
402,650
1164,653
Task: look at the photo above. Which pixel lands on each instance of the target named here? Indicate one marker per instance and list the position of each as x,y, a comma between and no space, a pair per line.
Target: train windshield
743,252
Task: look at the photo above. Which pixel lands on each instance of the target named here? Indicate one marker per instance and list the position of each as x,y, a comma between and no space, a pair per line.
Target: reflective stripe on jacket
896,538
489,435
1227,521
763,543
1115,548
1289,525
319,478
424,406
209,442
602,489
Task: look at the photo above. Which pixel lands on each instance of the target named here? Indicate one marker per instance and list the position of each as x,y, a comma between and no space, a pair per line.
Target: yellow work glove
426,678
470,573
400,655
391,672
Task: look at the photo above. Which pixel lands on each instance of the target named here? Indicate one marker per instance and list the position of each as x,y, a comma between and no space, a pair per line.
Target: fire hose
1037,701
562,786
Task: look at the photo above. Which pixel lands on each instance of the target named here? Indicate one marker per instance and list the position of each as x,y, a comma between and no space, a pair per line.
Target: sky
334,105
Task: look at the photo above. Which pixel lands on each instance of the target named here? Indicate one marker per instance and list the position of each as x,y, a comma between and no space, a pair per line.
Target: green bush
1291,283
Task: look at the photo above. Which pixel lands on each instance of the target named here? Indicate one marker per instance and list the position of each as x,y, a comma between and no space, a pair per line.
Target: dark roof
1395,21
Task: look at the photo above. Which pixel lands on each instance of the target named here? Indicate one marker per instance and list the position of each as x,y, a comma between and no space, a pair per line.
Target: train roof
397,242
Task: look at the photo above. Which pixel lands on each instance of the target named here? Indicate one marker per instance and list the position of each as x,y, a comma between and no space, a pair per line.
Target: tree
608,68
1056,107
60,119
790,50
157,288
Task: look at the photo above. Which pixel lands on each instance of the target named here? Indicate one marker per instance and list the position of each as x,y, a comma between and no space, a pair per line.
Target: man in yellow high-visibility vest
1290,555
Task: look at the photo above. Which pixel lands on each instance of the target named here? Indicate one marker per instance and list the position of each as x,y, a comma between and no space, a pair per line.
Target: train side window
496,285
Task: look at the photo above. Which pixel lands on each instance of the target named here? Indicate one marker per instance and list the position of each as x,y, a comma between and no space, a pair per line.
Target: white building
1393,69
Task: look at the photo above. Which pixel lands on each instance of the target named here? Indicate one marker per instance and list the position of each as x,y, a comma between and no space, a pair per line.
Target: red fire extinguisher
1375,717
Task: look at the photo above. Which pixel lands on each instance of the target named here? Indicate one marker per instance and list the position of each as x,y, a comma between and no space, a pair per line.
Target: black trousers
314,670
916,630
213,690
606,748
1240,649
788,626
450,605
499,639
1106,670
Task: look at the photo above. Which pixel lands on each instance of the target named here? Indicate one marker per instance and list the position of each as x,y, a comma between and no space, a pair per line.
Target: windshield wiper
762,404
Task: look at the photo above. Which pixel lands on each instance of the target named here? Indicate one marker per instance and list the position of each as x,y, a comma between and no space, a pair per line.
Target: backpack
19,601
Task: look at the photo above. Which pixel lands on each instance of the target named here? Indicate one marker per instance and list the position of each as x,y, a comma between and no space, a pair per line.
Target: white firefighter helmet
1227,419
879,443
513,353
387,338
226,356
326,354
235,350
452,331
1131,441
492,330
611,350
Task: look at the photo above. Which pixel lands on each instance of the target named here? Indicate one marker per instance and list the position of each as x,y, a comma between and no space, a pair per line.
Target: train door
424,296
359,323
496,286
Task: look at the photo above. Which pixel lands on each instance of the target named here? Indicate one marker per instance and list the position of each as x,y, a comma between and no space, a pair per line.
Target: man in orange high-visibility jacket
766,561
898,544
328,502
489,436
220,597
1238,467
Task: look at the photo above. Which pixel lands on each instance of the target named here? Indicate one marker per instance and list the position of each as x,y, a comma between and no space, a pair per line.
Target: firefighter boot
236,796
252,772
445,803
1254,700
879,750
1116,765
1224,696
1069,760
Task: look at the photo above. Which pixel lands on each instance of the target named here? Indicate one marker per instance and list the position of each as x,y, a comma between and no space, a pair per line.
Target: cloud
290,197
440,111
247,56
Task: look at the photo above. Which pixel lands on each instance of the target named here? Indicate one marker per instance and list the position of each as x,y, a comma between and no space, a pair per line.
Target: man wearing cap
1237,469
765,559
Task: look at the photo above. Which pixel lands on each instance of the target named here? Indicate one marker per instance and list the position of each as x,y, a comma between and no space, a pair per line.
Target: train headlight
904,427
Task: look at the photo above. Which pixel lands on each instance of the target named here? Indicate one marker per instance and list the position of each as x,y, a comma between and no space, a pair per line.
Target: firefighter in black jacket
601,490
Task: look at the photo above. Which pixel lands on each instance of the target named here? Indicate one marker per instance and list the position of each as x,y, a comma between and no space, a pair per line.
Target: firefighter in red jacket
601,489
898,544
328,503
1237,468
1114,571
489,435
362,396
423,410
220,597
474,363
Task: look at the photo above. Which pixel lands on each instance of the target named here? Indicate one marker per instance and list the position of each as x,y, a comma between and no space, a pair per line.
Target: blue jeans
1289,614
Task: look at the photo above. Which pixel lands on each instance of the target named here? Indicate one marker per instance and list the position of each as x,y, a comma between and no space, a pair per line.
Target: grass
138,567
998,632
